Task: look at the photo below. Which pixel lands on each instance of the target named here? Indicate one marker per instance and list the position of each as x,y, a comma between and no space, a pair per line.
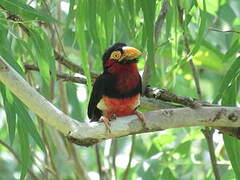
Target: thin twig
207,132
160,19
148,71
98,159
165,95
60,75
125,175
49,150
17,158
224,31
70,65
47,168
114,149
187,50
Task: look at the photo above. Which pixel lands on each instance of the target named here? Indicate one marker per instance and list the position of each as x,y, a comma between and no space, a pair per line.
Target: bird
116,92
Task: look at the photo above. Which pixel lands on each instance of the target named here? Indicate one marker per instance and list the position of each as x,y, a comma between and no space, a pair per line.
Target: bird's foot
141,118
106,122
113,117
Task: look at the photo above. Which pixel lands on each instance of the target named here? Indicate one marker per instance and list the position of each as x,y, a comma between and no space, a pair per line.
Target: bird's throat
127,76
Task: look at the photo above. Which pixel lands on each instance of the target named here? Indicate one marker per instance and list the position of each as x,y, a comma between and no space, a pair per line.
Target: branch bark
90,133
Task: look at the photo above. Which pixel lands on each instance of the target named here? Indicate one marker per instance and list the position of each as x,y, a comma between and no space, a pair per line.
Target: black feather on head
116,47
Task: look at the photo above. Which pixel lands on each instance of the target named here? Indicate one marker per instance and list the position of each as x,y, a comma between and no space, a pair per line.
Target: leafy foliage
204,31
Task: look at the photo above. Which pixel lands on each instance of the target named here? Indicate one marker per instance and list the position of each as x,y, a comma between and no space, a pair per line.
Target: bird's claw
106,122
141,118
113,117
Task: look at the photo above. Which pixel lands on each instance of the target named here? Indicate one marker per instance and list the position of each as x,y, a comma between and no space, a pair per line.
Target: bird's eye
116,55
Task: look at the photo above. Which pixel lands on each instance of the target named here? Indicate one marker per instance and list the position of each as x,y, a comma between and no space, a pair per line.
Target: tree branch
90,133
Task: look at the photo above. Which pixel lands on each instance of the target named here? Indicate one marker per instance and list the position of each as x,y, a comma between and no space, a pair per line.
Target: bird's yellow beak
130,53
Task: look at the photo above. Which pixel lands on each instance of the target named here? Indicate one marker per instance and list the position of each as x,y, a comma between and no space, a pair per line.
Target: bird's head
120,53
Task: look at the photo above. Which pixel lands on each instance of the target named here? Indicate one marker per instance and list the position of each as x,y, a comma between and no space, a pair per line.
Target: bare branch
70,65
166,95
60,75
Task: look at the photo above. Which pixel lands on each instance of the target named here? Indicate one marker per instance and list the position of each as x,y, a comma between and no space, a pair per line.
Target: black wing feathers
98,91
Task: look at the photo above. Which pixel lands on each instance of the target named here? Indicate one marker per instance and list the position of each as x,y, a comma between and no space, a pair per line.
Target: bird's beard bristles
126,61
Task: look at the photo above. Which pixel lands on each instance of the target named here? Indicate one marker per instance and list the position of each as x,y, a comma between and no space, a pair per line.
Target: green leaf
25,119
26,11
184,148
24,146
123,14
232,73
10,111
167,174
212,6
149,8
8,56
80,33
232,50
232,146
44,55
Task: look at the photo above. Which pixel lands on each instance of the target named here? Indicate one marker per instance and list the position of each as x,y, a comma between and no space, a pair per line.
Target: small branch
149,68
17,20
114,151
224,31
125,175
187,50
60,75
73,67
208,133
160,19
98,159
49,152
166,95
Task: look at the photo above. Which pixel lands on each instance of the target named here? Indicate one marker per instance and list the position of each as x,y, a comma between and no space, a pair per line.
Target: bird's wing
98,91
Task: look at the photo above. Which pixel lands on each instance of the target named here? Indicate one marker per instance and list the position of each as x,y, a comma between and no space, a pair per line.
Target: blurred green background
172,34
